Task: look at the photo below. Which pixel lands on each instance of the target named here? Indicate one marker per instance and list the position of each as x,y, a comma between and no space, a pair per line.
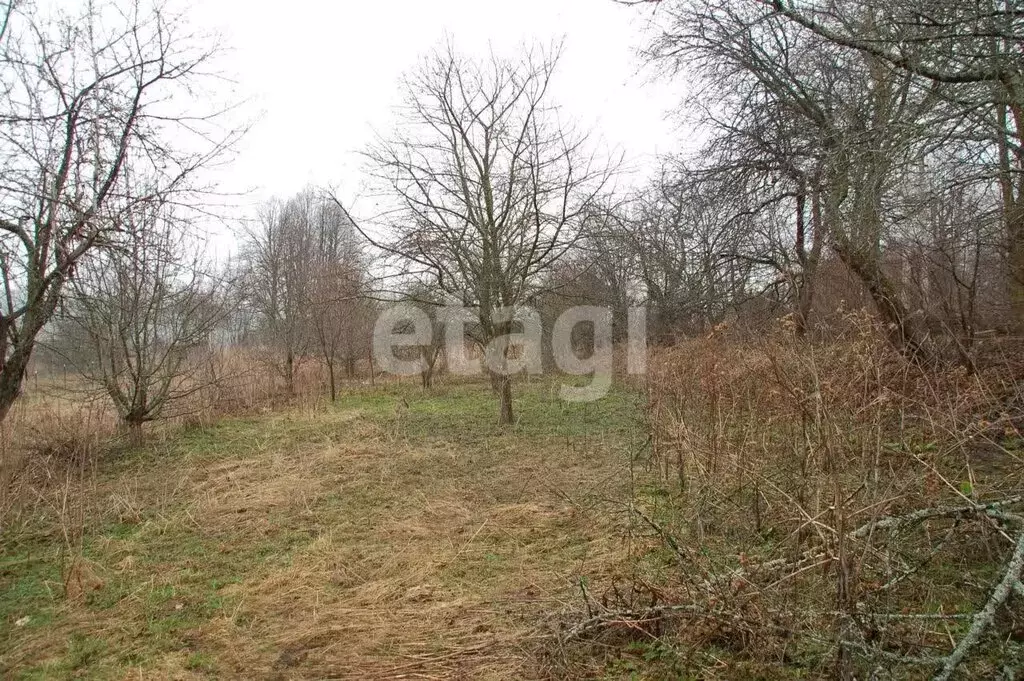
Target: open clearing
395,534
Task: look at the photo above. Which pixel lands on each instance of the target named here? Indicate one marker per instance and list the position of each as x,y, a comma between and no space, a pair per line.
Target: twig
664,534
630,618
913,570
892,657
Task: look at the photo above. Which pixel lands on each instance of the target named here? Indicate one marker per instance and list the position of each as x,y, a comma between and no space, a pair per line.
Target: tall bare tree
974,50
490,187
84,97
846,128
278,256
341,315
304,274
698,252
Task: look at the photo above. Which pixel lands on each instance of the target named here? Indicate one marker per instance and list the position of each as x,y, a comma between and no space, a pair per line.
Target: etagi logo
512,339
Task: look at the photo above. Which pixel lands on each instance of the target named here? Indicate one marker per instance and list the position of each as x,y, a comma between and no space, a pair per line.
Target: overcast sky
324,75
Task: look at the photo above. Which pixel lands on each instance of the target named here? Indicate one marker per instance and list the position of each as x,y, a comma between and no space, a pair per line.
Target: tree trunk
135,432
904,331
290,372
12,373
808,260
501,382
804,304
858,246
133,425
330,377
428,358
14,366
1012,191
804,285
427,372
505,415
1015,235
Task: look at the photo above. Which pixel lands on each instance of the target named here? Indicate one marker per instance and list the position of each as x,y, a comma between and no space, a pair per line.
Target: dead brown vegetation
825,509
61,426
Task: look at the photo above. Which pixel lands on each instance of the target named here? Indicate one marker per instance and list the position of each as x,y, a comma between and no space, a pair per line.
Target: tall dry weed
826,505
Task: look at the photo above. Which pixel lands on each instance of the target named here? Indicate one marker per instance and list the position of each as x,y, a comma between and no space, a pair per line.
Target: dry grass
402,534
62,424
49,434
771,455
368,540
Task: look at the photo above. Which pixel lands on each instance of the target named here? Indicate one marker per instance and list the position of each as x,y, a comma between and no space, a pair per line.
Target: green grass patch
161,574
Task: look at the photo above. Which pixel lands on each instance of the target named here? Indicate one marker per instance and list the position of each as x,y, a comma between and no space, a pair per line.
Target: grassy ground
395,534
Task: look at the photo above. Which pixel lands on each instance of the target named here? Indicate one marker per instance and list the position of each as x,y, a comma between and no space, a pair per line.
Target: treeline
153,322
867,152
853,154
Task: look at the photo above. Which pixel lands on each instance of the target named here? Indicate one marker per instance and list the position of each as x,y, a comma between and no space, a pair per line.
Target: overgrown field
756,509
395,534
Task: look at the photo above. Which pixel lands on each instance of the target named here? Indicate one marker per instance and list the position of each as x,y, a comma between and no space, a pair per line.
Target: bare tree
145,309
972,49
491,188
341,320
601,270
83,98
850,128
278,275
304,274
430,303
694,246
949,246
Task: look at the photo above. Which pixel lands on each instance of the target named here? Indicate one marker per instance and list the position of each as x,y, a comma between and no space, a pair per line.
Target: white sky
325,75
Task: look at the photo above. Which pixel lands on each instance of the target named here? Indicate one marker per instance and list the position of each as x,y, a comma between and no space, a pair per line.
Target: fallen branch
901,521
984,618
744,572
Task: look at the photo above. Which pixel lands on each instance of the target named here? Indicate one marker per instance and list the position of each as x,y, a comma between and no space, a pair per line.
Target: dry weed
769,539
